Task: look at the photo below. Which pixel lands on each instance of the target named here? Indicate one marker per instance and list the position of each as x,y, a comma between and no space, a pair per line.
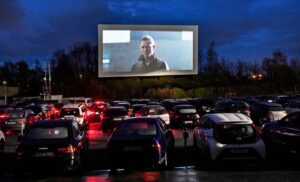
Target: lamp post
4,83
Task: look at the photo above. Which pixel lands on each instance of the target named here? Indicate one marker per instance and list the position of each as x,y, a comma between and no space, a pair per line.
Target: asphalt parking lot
186,164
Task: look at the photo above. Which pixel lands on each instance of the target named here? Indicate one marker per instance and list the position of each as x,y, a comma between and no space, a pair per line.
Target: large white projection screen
119,48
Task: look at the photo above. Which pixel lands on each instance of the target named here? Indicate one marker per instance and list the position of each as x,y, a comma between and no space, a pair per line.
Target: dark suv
111,116
263,112
184,115
232,106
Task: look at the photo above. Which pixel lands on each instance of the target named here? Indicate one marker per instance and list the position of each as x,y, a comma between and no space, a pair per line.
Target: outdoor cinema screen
147,50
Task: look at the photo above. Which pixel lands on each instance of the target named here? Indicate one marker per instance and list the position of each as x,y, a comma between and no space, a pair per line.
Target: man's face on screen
147,48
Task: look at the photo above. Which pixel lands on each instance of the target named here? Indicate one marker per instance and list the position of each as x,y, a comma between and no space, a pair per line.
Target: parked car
39,110
233,106
18,120
140,142
184,115
99,105
263,112
136,108
226,136
112,116
154,111
55,110
283,135
74,111
51,145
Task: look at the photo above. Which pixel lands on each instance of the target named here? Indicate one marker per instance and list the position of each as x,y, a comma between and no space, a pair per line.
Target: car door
168,134
202,133
285,132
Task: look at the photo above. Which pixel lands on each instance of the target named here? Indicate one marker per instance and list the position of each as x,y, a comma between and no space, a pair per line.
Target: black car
17,120
232,106
51,145
184,115
111,116
284,134
140,142
263,112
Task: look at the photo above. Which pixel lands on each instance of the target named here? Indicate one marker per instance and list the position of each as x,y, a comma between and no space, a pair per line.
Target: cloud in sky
247,30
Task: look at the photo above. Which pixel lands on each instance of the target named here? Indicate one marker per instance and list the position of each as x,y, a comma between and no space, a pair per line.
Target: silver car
228,136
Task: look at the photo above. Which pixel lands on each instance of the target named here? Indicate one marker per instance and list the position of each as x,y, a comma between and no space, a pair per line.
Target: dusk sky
242,29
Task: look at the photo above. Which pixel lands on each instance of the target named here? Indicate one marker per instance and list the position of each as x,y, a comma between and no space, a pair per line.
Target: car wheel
164,164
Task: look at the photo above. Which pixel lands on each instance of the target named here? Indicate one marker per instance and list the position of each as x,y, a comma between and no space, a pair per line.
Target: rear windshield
16,114
136,128
48,133
35,109
187,111
231,132
69,111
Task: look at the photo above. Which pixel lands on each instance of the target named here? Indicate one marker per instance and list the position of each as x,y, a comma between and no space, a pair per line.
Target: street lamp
4,83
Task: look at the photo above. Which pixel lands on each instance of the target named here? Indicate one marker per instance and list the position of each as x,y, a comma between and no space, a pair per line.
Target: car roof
220,118
51,123
183,106
270,104
153,106
142,119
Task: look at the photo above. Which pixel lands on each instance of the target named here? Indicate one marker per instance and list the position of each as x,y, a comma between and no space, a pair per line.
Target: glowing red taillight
156,146
3,116
138,115
66,150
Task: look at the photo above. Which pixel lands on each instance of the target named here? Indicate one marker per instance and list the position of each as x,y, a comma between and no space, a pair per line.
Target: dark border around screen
103,27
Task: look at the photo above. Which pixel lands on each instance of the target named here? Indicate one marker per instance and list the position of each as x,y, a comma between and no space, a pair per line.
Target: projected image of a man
148,60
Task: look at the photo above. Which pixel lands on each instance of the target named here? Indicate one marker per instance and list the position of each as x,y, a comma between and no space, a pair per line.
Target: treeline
74,72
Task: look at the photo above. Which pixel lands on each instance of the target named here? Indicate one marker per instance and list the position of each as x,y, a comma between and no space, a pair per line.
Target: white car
228,136
154,111
74,112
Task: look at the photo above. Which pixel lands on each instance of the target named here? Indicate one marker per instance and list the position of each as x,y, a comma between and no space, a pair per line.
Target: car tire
164,164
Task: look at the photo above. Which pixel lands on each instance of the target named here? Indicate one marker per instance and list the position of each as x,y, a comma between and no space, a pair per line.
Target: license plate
11,122
133,148
44,154
239,151
188,122
117,119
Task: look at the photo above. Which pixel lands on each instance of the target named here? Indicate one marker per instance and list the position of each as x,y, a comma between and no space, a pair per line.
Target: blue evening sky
242,29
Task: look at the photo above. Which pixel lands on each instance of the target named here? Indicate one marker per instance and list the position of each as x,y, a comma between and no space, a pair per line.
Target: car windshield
136,129
48,133
187,111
